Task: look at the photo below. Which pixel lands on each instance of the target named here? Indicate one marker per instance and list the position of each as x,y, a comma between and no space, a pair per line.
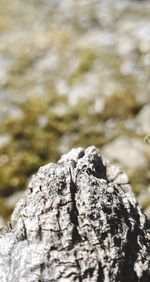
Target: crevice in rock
100,277
88,273
74,211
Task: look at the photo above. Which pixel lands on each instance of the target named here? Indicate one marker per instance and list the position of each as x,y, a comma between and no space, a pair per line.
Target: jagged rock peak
78,221
87,160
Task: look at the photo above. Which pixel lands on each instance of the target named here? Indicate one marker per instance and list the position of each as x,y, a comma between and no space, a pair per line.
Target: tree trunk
78,221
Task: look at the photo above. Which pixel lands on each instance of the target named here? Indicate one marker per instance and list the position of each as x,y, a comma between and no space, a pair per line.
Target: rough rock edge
78,221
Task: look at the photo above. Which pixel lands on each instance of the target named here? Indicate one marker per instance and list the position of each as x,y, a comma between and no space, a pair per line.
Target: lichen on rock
78,221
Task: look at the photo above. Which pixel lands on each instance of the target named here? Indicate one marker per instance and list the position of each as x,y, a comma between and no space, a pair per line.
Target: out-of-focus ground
73,73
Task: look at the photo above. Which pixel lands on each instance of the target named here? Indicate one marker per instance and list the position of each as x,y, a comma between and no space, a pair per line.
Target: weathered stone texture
78,221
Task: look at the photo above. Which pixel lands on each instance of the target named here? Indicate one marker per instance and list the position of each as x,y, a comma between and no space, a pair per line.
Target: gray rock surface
78,221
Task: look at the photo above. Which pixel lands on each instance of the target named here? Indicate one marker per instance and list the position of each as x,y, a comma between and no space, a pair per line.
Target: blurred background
73,73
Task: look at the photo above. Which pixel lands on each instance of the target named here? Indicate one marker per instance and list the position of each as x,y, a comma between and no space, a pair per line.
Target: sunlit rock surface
78,221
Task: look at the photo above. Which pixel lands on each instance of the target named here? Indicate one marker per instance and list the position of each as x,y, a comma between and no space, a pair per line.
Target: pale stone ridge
78,221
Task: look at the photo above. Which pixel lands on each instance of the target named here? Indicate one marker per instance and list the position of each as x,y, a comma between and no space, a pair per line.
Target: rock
143,120
126,151
78,221
14,198
2,223
144,200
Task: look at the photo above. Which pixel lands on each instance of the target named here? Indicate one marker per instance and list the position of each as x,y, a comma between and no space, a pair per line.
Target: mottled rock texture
78,221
